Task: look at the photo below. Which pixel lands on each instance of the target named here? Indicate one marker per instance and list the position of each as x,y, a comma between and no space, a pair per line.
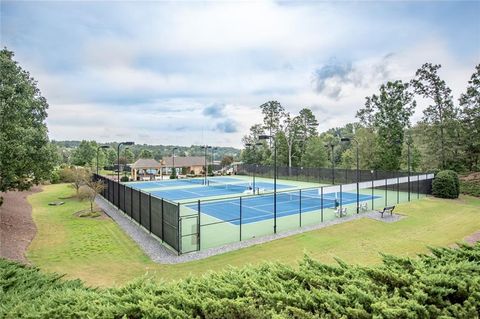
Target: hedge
446,185
470,188
444,283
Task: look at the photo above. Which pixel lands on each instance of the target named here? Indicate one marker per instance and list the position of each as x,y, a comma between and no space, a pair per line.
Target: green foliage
26,156
470,188
440,117
184,170
124,179
315,154
446,185
55,177
145,154
173,174
127,155
470,121
85,154
388,114
445,283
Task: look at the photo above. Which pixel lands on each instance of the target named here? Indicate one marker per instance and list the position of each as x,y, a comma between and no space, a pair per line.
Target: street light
347,139
173,161
333,161
255,167
213,156
98,148
118,163
270,137
206,147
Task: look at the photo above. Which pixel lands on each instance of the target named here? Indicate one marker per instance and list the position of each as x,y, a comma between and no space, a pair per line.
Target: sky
196,72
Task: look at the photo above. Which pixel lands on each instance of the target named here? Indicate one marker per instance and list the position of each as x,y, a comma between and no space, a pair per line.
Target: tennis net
240,187
307,198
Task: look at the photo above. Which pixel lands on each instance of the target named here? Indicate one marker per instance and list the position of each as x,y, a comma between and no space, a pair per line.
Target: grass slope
97,251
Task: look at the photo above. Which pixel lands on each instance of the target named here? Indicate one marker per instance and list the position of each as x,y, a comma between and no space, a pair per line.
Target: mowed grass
98,252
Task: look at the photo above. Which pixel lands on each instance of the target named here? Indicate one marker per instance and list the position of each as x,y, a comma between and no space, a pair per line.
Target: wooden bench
340,212
388,209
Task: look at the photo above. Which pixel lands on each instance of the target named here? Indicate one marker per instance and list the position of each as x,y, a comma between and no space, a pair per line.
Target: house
146,169
193,164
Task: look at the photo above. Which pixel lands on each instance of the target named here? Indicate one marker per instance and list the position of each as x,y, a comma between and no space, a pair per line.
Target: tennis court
214,189
259,208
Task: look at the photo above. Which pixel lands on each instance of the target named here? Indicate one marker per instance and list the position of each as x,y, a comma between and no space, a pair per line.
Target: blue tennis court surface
258,208
180,182
212,190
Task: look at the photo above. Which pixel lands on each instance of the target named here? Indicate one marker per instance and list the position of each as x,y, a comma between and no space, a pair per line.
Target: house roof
184,161
146,163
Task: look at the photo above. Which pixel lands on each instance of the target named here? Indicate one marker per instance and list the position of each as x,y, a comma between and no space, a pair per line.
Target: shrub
446,185
124,179
470,188
83,192
55,177
443,284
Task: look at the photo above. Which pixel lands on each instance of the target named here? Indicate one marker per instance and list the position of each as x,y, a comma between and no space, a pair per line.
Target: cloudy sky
195,72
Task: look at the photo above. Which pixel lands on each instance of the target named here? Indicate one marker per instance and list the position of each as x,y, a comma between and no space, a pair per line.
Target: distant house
192,163
146,169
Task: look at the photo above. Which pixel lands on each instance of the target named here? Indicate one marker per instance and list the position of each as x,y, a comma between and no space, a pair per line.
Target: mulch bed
17,228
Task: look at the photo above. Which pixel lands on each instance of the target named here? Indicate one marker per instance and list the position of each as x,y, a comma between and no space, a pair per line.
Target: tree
272,112
94,188
26,156
253,155
440,116
308,126
291,129
226,160
79,176
315,154
388,115
145,154
85,154
111,157
127,155
470,121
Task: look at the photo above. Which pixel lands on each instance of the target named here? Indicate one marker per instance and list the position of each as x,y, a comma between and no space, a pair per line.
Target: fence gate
190,234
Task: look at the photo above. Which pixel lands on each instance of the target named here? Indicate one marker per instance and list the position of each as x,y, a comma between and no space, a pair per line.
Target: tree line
446,137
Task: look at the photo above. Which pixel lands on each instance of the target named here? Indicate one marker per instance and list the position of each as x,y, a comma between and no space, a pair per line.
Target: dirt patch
471,177
473,238
17,228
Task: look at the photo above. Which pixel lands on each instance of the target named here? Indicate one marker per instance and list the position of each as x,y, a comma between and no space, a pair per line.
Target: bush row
445,283
470,188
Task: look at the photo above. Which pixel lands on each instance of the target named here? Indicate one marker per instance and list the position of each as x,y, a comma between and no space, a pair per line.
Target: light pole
270,137
174,173
255,167
206,147
408,167
98,149
118,164
347,139
331,145
213,156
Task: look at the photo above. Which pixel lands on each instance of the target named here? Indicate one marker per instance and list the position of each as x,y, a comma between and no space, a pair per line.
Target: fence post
386,192
140,207
162,221
341,200
418,186
321,194
240,218
300,207
124,191
150,212
131,202
198,227
179,231
398,190
373,193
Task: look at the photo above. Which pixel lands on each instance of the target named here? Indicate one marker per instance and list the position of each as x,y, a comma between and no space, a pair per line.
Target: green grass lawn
98,252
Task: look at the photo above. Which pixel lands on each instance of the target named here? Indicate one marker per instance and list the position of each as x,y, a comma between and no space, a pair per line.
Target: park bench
340,212
388,209
363,206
